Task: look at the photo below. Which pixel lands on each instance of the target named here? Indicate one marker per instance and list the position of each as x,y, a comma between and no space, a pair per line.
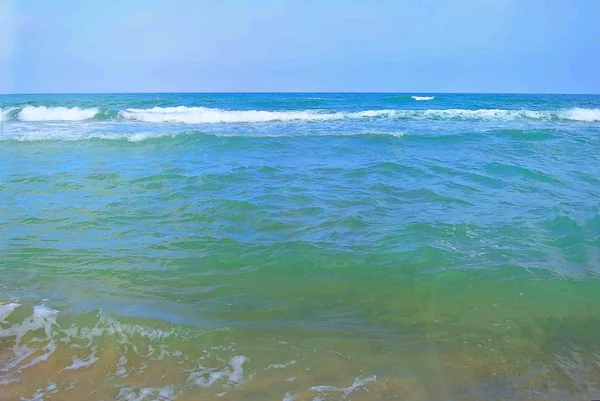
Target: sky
523,46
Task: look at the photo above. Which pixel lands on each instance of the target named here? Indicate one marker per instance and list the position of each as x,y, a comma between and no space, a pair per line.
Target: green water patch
517,171
528,135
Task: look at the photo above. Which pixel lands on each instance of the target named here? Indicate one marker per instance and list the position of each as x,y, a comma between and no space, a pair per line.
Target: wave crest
582,114
57,135
205,115
43,113
574,114
7,113
421,98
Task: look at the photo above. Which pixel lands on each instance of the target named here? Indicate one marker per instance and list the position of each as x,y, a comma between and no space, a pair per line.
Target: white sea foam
479,114
236,376
204,115
281,365
167,393
359,382
581,114
6,310
65,131
573,114
82,363
43,113
233,373
421,98
40,394
136,137
43,318
30,132
121,370
500,114
36,337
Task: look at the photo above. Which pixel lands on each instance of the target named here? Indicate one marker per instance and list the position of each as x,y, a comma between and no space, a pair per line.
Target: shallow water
300,247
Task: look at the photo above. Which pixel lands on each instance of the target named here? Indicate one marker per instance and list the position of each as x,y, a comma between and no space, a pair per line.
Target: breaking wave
43,113
70,135
206,115
423,97
7,113
203,115
581,114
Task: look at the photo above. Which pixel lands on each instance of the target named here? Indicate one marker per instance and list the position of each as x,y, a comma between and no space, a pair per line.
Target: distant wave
206,115
423,97
43,113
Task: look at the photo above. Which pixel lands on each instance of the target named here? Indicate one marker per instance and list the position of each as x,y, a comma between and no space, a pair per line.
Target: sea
299,247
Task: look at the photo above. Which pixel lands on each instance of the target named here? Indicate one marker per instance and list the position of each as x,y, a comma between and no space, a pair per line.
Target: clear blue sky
300,45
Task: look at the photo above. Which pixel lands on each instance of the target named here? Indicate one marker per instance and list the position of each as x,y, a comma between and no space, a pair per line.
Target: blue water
300,246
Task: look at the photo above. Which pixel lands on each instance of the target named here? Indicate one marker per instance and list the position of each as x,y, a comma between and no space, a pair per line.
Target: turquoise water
300,247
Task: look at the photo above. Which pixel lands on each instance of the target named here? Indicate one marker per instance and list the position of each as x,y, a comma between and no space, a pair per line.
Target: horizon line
297,92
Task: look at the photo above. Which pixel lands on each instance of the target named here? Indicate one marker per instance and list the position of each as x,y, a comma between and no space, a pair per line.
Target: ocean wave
574,114
57,135
43,113
7,113
527,135
581,114
206,115
68,136
423,97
